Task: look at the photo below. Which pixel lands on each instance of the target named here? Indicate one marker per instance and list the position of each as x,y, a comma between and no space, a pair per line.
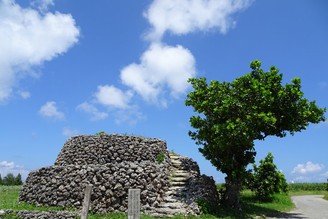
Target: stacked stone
102,149
186,188
112,164
46,214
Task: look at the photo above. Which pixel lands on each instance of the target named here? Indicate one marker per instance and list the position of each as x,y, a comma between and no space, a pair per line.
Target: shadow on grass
248,211
252,207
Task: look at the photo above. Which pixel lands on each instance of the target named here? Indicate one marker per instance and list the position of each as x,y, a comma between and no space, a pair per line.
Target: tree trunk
232,193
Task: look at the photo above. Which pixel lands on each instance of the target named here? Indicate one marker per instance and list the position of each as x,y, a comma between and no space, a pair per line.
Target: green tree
0,179
230,116
267,179
18,180
9,180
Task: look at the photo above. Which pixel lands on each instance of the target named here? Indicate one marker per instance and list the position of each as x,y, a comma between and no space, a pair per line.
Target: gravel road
308,206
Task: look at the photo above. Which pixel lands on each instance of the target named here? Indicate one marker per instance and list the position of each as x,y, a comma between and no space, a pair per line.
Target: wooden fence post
134,204
86,202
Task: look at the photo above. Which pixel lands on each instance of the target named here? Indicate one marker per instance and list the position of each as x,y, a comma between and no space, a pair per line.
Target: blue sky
80,67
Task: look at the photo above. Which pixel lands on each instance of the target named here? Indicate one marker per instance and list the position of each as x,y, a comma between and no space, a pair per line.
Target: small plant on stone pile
160,158
101,133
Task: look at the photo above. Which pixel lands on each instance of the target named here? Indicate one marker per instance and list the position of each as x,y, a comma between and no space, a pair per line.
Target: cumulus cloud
163,71
325,174
7,164
161,68
10,167
130,116
113,97
24,94
127,115
308,168
28,39
42,5
186,16
92,110
49,110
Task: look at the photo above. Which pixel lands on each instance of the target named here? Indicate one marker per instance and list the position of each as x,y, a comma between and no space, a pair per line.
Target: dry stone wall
112,164
102,149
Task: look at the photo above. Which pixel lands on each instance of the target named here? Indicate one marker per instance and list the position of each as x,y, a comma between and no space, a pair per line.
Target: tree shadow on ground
250,210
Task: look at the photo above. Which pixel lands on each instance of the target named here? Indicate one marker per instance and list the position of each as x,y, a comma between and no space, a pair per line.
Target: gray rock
112,164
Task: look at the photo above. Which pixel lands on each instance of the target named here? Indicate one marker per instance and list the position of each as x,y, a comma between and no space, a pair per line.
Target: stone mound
112,164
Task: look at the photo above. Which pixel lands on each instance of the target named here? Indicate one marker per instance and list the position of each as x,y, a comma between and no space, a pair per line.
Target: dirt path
309,206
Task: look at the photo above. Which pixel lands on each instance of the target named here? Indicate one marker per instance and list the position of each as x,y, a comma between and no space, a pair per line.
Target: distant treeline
296,186
11,180
307,186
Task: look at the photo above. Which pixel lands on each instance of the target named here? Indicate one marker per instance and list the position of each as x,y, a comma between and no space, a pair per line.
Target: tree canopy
266,179
231,115
11,180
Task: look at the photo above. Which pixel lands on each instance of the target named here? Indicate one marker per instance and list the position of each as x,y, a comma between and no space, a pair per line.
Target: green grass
326,196
251,206
9,200
254,207
297,193
9,196
307,187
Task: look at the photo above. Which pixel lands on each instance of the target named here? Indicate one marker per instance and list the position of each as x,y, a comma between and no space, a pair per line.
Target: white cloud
130,116
24,94
28,39
113,97
92,110
308,168
69,132
42,5
186,16
161,69
11,167
49,109
325,174
7,164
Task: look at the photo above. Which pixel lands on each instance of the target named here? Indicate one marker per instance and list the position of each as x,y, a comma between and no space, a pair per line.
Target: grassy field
9,200
308,189
251,206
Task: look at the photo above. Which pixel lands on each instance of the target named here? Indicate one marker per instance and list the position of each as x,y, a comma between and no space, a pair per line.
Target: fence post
86,202
134,204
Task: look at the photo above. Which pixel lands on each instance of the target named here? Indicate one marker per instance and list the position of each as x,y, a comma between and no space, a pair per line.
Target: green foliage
18,180
231,115
252,207
0,179
11,180
326,197
160,158
9,200
327,185
306,186
267,180
101,133
206,207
